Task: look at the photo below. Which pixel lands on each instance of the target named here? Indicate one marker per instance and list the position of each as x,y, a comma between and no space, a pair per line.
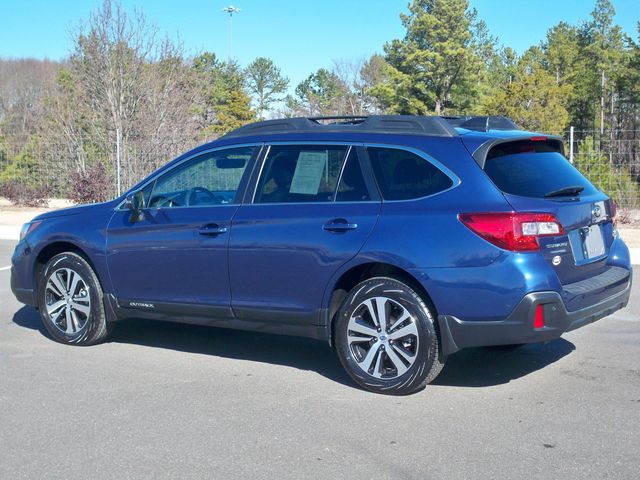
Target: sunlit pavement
163,400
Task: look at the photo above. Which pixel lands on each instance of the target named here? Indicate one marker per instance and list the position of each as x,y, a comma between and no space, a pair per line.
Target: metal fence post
571,144
118,161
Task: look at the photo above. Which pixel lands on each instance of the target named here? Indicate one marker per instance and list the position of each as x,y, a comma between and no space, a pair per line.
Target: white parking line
9,232
5,268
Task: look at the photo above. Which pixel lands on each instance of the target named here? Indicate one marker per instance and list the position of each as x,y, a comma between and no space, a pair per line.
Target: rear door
312,211
535,177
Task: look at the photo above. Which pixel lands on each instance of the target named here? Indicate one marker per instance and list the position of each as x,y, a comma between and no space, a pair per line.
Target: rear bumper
518,327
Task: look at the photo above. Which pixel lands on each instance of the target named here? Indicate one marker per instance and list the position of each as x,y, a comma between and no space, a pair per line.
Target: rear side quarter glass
403,175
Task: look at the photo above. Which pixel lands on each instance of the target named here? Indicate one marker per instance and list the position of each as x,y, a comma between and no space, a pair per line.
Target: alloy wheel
68,303
383,337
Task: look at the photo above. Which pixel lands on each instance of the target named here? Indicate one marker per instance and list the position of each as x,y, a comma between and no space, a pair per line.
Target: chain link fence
56,167
610,159
34,167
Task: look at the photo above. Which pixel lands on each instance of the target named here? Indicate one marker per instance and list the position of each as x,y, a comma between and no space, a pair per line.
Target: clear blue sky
300,36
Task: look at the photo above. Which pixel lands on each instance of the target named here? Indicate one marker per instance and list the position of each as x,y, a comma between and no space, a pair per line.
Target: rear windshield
533,172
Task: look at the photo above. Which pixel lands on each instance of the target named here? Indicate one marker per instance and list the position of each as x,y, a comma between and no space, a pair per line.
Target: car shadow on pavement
485,367
474,367
301,353
28,317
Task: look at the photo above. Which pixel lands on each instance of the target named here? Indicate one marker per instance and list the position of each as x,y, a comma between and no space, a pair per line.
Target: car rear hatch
534,176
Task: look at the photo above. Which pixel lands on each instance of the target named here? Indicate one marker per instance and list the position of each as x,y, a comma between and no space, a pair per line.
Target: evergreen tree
265,81
319,94
533,99
226,103
435,67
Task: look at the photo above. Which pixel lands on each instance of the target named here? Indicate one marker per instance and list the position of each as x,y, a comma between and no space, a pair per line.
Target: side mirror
135,203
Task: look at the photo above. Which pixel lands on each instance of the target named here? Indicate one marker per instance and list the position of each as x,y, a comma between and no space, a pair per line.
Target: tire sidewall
413,379
96,313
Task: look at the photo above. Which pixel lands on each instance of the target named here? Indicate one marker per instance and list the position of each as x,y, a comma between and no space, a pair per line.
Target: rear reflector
514,231
538,321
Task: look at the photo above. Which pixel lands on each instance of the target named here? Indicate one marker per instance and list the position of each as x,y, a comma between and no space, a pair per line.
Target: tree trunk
438,108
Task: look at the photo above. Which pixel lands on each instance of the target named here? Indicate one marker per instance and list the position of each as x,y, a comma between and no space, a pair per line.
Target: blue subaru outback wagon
398,239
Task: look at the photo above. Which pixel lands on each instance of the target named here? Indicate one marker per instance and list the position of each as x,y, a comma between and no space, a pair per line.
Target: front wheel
70,301
386,338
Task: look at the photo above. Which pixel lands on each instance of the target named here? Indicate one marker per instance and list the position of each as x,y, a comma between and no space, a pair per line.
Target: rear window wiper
565,192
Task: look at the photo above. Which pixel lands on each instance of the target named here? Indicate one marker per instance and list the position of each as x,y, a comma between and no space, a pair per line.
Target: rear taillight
518,232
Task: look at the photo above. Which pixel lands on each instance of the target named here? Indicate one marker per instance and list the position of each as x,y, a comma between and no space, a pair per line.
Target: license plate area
588,244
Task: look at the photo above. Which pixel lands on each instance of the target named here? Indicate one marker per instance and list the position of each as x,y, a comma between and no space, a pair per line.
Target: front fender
85,231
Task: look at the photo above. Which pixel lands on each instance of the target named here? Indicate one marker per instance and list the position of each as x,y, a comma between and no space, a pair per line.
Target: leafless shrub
23,195
91,185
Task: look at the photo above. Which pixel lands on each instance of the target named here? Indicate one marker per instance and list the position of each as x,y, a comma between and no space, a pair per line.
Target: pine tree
265,81
435,67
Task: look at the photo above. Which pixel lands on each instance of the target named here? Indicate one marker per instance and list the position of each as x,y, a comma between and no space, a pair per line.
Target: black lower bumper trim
518,328
23,295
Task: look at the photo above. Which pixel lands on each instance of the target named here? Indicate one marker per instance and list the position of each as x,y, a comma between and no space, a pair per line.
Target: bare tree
122,80
24,84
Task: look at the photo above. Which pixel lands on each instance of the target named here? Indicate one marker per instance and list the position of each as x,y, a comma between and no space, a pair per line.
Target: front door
175,258
312,212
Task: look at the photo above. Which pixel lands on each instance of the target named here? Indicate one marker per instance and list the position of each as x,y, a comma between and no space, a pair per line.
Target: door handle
339,225
212,230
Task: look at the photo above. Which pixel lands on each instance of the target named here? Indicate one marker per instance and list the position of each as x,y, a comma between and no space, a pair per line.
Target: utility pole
118,182
231,10
571,130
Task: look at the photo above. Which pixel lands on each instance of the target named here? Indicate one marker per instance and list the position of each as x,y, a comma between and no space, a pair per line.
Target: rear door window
533,169
403,175
301,173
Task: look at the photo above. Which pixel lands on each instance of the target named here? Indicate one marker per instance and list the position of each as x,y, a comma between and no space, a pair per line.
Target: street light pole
231,10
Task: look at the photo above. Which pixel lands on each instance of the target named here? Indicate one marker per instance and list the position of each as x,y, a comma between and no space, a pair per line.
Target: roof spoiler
551,141
482,123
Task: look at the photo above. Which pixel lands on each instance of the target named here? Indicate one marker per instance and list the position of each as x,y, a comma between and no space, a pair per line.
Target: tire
397,360
70,300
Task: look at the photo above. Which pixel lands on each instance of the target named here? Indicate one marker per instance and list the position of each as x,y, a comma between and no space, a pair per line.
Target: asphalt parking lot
163,400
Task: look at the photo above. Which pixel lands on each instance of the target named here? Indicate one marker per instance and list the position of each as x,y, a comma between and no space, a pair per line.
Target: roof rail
482,123
340,119
404,124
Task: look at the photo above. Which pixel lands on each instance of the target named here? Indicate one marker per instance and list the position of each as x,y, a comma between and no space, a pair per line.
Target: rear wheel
386,338
70,301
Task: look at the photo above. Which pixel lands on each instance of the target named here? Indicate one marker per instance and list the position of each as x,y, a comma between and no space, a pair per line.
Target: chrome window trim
202,152
425,156
344,164
263,161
